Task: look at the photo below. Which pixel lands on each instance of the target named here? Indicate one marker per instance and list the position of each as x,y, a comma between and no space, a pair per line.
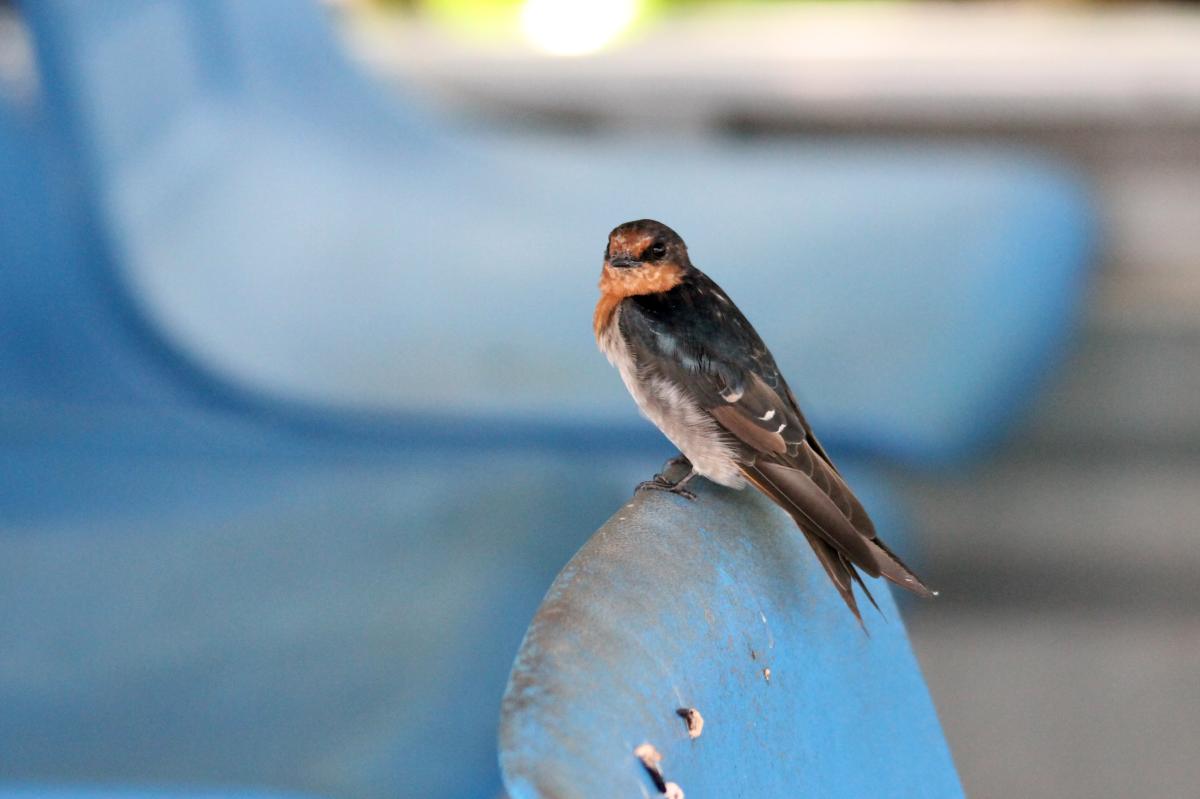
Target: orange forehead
629,241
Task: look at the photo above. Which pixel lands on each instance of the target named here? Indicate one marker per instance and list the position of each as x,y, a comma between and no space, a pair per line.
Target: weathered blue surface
675,604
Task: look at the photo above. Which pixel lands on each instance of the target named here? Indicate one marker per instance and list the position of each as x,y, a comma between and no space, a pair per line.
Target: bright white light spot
575,27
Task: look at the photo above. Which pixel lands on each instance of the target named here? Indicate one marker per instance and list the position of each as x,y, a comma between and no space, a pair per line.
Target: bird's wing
790,466
732,375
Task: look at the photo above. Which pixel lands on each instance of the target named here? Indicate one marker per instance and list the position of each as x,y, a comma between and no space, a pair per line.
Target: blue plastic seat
716,606
201,591
282,224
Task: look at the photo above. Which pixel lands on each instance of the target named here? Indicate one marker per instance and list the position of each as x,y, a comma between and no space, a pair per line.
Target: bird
700,372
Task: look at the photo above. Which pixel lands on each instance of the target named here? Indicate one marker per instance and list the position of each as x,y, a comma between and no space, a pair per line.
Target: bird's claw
660,483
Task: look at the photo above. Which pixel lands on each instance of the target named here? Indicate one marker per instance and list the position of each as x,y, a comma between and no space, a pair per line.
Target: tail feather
840,544
840,572
858,579
814,509
895,570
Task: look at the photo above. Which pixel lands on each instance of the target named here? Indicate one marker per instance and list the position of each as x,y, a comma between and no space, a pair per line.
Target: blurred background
301,412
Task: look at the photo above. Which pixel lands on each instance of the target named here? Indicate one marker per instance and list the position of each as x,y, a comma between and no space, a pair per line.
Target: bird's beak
622,263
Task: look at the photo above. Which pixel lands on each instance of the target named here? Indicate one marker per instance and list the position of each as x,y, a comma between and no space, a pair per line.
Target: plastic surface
272,218
204,592
716,605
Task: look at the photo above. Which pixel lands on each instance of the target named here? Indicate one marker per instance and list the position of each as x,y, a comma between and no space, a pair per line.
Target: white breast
675,413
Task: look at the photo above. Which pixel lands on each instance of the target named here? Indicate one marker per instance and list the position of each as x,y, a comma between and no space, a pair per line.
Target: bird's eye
657,250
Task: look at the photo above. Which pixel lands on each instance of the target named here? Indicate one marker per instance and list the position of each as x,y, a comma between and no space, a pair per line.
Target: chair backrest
58,344
121,76
128,75
717,606
266,213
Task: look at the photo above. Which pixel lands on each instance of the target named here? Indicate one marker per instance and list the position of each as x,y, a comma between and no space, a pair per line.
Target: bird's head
645,244
642,257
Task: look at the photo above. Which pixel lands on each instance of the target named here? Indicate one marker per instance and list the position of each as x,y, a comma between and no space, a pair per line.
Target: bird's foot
660,483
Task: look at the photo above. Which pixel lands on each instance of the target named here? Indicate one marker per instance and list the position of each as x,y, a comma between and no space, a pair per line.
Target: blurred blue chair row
287,228
300,407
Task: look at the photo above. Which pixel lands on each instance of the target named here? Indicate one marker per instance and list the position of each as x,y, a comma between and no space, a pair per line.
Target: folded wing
785,461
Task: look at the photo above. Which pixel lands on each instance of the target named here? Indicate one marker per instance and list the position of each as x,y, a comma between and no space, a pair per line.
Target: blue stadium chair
199,594
715,606
286,227
300,411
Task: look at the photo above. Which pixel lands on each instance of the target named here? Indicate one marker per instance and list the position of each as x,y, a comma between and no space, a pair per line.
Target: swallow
698,370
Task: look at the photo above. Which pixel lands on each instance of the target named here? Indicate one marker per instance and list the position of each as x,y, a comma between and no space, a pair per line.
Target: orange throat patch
617,284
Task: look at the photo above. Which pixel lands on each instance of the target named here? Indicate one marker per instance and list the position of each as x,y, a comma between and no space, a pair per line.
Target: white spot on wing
768,416
732,396
781,427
